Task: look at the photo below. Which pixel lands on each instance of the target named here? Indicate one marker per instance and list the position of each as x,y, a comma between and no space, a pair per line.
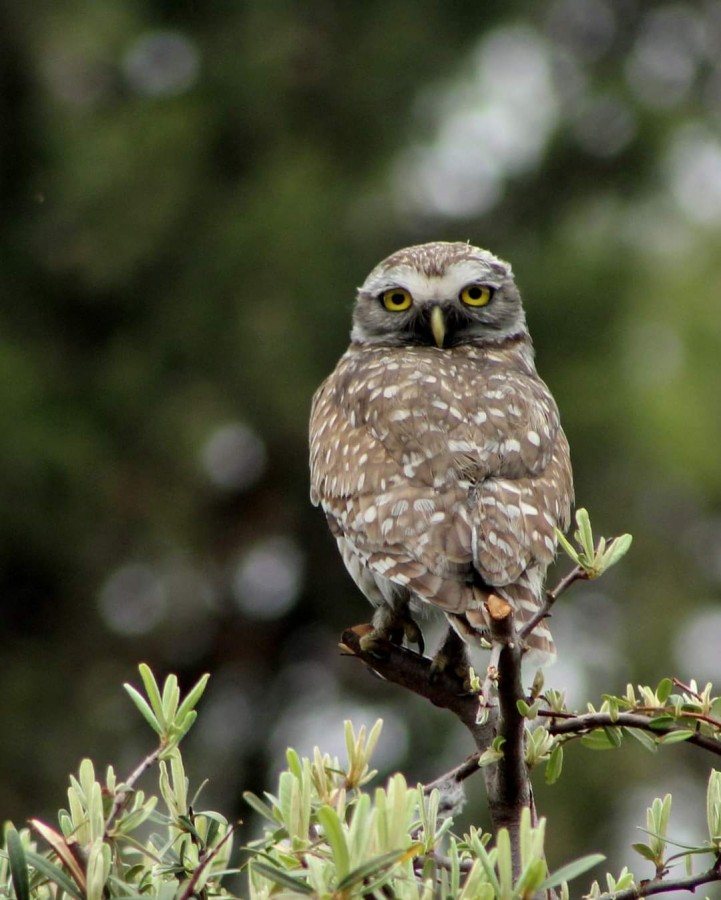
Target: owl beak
438,325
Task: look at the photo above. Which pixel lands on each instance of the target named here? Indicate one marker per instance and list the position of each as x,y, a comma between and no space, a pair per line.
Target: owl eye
476,295
396,299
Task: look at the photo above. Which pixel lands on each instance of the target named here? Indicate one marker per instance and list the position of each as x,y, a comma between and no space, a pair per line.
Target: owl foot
452,658
392,625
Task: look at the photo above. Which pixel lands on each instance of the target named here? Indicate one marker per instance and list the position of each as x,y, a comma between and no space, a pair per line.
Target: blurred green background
190,193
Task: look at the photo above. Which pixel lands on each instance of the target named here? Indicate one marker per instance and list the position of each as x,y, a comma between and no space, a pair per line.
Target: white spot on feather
370,515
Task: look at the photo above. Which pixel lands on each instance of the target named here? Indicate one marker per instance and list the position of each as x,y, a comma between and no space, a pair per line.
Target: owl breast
441,469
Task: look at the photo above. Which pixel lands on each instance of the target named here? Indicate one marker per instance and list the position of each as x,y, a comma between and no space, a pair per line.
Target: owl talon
451,658
372,644
413,635
392,625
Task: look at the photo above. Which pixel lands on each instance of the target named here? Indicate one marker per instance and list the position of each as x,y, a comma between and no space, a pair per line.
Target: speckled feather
443,473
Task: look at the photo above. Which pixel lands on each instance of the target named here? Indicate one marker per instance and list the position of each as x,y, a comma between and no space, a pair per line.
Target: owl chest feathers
433,416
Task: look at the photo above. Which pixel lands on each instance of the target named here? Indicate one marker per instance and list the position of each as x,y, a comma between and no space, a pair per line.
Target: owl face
442,294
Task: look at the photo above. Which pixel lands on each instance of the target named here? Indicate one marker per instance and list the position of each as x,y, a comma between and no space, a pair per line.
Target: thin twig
582,724
130,781
685,687
683,714
662,886
203,863
457,775
577,573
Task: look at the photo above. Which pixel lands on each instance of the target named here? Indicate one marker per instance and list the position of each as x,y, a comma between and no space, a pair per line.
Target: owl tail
524,596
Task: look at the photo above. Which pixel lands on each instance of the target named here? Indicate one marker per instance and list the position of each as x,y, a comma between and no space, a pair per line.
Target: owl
436,451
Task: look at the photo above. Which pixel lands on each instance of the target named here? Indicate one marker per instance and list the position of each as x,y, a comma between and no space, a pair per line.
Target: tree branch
129,784
457,775
659,886
583,724
413,672
507,781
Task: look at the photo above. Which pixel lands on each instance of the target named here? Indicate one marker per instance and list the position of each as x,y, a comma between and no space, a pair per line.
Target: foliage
328,838
594,558
326,833
101,847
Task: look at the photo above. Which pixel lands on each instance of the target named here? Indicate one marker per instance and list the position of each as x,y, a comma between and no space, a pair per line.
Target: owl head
442,294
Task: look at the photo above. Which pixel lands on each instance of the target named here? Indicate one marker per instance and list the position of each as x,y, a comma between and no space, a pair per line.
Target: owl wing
437,472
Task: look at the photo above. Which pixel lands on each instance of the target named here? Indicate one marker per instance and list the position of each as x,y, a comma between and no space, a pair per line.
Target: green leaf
618,548
554,765
663,691
152,690
171,696
600,740
567,546
661,722
648,742
145,710
572,870
528,712
713,806
645,851
259,806
375,866
585,533
531,877
504,859
53,873
614,735
18,864
192,698
294,764
281,877
676,736
333,829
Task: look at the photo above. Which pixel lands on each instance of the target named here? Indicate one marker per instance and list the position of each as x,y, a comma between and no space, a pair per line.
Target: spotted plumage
436,450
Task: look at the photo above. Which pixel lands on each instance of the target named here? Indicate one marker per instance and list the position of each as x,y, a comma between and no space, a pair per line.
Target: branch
658,886
457,775
413,672
583,724
129,784
204,861
507,781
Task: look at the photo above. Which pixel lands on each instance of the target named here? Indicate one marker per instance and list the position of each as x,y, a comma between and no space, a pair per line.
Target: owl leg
393,623
451,656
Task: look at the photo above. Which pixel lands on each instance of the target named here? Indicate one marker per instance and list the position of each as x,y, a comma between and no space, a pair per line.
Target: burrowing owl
436,451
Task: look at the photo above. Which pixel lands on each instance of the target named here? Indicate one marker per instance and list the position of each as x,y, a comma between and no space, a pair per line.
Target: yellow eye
396,299
476,295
